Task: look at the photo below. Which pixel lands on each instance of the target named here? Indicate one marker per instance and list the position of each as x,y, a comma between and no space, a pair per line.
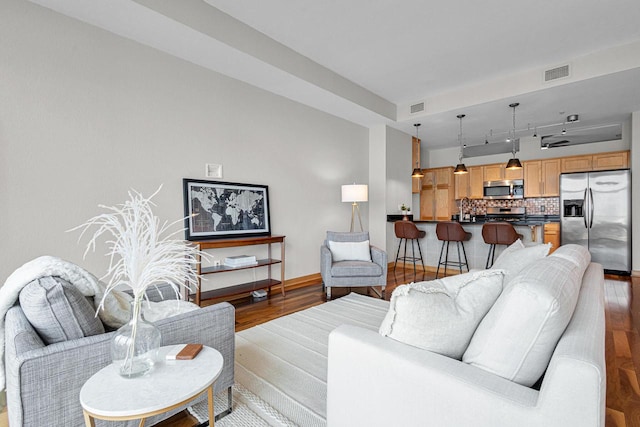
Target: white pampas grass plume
143,251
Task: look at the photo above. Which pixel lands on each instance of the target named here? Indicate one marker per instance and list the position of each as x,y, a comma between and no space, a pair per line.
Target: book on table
240,261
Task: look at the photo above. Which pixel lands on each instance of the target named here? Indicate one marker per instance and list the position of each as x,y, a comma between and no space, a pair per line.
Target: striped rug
283,363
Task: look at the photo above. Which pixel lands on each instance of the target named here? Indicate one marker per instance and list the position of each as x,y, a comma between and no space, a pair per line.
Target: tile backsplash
534,206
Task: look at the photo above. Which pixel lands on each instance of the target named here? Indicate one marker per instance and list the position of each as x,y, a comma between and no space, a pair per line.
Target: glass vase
134,348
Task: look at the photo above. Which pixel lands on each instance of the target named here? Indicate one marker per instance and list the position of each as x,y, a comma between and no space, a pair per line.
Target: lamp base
354,208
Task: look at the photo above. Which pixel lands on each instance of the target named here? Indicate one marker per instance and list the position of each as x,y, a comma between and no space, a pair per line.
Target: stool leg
440,259
493,254
420,251
404,258
446,260
465,258
397,254
459,259
491,249
413,256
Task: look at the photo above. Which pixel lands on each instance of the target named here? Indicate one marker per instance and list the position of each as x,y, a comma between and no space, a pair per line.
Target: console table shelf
240,288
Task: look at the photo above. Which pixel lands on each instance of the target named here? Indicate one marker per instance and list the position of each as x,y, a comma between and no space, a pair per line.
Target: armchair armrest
379,257
325,264
43,382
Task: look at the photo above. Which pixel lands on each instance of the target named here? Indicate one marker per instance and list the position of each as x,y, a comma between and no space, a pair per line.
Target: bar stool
407,230
498,233
451,231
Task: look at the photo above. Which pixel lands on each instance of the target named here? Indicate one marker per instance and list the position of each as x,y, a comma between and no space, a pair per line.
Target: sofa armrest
416,385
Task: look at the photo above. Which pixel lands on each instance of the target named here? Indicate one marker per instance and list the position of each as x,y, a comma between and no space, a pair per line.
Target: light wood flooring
622,338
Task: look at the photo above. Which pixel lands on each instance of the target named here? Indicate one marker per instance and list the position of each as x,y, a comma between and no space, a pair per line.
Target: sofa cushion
58,311
355,269
350,251
441,315
517,337
517,256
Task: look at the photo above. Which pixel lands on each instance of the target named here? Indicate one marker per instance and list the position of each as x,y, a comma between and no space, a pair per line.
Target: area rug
284,362
242,414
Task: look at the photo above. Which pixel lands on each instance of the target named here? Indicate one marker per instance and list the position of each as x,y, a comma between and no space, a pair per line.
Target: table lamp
354,193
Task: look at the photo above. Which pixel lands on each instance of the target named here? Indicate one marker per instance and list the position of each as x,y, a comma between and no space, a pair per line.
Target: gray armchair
44,381
352,273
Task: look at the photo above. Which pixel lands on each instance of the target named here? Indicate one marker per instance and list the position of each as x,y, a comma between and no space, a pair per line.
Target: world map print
227,209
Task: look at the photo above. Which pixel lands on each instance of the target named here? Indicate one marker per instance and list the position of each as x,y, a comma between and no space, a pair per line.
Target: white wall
377,185
86,115
398,172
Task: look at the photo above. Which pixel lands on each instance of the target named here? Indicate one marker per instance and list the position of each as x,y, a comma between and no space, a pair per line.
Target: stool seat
498,233
407,230
451,231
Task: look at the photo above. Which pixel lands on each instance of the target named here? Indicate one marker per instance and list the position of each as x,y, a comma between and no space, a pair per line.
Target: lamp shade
355,193
514,164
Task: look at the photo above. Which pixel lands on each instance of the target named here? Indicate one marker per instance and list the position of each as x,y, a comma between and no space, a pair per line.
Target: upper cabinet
576,164
415,163
596,162
470,184
498,172
437,194
606,161
541,178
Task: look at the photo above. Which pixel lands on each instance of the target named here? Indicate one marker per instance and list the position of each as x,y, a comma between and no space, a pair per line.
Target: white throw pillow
441,315
518,256
516,339
350,251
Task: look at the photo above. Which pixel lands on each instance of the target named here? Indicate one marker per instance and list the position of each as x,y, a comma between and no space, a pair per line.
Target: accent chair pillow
350,251
441,315
58,311
517,256
516,339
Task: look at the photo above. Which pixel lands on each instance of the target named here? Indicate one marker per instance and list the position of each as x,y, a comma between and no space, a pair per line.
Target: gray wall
86,115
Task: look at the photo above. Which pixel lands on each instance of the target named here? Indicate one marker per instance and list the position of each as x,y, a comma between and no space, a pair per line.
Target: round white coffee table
172,383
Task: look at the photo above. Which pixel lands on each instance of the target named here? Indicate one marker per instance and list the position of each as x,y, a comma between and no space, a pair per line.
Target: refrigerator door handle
591,206
584,217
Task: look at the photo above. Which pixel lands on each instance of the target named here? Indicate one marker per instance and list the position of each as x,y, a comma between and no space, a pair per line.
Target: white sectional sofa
374,380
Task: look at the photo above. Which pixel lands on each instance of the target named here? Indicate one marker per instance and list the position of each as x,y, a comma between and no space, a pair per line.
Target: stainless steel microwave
506,189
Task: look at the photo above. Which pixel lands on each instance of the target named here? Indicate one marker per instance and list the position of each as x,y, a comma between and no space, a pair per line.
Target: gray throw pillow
58,311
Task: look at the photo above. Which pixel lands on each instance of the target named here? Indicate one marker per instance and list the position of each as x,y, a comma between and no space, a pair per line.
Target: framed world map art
215,209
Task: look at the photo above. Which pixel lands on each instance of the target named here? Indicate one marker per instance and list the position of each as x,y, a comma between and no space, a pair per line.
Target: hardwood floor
622,338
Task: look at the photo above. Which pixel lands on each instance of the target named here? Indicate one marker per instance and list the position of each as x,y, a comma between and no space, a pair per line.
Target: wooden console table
242,287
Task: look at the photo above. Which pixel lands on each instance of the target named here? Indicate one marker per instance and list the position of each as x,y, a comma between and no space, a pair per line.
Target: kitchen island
477,250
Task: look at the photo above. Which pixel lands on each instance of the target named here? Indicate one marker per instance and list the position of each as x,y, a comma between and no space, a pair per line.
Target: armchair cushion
350,251
355,268
442,315
58,311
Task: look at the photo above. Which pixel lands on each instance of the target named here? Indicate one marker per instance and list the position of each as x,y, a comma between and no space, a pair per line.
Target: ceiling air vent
556,73
417,108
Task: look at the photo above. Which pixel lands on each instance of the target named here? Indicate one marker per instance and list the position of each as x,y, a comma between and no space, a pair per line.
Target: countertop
480,219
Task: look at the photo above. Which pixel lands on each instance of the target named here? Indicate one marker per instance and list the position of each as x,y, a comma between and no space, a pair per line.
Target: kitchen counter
476,249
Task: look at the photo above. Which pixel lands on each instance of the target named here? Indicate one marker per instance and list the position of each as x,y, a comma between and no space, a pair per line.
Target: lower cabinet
552,235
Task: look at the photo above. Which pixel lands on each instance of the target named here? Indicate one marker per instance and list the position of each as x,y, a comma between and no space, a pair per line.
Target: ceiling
368,61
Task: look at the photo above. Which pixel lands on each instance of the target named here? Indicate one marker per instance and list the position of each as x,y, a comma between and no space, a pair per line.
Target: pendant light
514,163
460,167
417,172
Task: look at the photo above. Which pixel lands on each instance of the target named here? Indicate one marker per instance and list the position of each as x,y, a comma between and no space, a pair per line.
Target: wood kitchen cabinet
552,235
541,178
437,197
596,162
469,184
607,161
415,163
498,172
576,164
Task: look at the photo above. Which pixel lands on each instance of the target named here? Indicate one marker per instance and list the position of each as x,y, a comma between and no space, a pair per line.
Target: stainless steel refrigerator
595,212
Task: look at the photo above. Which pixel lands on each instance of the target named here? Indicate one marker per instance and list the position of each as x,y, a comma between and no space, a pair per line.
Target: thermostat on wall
212,170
